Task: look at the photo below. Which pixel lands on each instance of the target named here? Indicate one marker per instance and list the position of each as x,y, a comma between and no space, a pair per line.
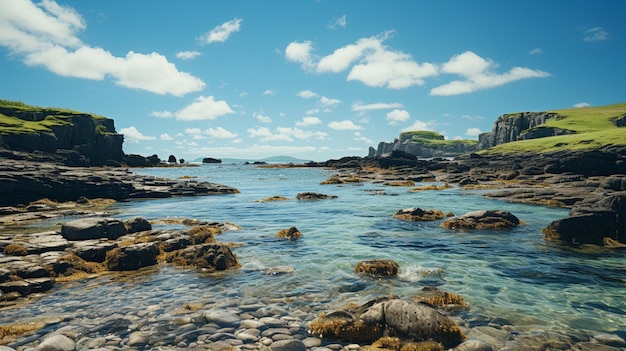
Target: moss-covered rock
291,233
485,219
417,214
378,268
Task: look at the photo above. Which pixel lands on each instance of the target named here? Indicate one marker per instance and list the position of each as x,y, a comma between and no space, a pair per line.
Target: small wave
417,273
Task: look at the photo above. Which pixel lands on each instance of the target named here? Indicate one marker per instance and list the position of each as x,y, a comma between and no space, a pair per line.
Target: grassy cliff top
593,127
10,123
428,137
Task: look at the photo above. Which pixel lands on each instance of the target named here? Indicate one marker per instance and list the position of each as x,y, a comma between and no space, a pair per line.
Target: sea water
510,274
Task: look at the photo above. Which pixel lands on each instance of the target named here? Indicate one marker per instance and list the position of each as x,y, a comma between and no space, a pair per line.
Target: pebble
57,342
288,345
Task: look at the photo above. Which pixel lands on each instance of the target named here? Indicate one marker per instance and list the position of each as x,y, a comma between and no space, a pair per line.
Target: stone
132,257
56,342
417,214
288,345
137,224
291,233
93,250
484,219
137,338
209,257
93,228
474,345
377,268
308,196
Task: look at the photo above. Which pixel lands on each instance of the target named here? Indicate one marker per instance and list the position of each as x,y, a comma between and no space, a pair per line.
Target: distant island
272,159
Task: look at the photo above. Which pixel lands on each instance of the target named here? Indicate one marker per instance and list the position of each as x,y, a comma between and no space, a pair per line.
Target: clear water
511,274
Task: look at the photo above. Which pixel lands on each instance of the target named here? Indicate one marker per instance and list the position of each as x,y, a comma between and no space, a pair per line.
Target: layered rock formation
84,139
424,144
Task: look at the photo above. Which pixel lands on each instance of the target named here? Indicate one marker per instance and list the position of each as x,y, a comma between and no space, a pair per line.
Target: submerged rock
314,196
485,219
407,320
417,214
377,268
292,234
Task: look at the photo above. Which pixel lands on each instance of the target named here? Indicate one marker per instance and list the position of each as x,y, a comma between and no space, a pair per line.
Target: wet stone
288,345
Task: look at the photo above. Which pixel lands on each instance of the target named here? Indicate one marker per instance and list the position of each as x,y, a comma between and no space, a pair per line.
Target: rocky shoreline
591,184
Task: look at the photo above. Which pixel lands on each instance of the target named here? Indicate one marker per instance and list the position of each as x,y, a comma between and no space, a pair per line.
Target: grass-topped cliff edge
591,128
431,139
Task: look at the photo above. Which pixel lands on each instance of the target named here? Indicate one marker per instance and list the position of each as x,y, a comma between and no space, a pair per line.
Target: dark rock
620,121
417,214
291,233
314,196
288,345
93,250
133,160
210,257
509,127
93,228
211,160
132,257
137,224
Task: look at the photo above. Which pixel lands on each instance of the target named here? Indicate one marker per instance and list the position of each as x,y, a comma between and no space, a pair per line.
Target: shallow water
510,274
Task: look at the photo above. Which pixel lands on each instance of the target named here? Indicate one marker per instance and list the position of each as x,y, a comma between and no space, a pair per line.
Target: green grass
433,139
593,127
10,124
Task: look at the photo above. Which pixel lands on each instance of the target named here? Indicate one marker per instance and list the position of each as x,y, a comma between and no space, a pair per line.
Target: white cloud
473,118
360,107
359,137
595,34
308,121
478,75
193,131
373,63
313,111
344,125
327,102
222,32
221,133
472,132
284,134
203,108
300,53
162,114
306,94
419,125
132,135
269,92
396,116
535,51
165,137
262,118
582,104
339,22
45,35
187,55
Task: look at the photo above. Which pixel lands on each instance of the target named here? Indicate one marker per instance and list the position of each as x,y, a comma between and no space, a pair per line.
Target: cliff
424,144
78,138
520,126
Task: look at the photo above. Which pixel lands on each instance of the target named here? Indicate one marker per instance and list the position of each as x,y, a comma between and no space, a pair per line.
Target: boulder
93,228
209,257
132,257
57,342
292,234
377,268
485,219
137,224
417,214
407,320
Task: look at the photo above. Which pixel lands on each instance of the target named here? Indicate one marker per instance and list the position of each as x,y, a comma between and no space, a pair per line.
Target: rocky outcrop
517,126
423,147
93,139
291,233
489,219
378,268
417,214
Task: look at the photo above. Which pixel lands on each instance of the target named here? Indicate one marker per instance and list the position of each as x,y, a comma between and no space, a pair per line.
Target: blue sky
310,79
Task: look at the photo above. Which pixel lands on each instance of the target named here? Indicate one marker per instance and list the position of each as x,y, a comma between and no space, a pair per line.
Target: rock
210,257
291,233
314,196
407,320
489,219
137,338
93,250
93,228
473,345
211,160
417,214
377,268
509,127
132,257
57,342
438,298
288,345
137,224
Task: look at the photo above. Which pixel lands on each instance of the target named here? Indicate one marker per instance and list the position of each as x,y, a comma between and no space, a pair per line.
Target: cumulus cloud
269,92
359,137
162,114
419,125
45,35
535,51
306,94
360,107
478,75
582,104
595,34
308,121
262,118
203,108
370,61
328,102
221,33
284,134
344,125
472,132
338,22
395,116
220,133
187,55
132,135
